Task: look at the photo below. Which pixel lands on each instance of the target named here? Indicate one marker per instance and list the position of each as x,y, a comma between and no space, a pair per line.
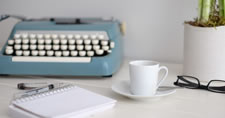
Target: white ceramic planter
204,52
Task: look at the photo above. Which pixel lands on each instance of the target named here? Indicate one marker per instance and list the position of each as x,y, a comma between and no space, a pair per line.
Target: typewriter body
62,49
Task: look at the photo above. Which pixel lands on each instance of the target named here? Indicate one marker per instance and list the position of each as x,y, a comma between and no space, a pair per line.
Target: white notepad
70,101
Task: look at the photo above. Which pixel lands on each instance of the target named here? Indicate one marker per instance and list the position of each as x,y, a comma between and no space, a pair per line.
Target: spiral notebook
64,102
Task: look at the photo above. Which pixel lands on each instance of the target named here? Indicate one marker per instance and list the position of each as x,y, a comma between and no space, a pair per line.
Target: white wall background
154,27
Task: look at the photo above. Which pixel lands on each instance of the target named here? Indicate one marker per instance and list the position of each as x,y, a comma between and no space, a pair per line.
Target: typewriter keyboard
58,46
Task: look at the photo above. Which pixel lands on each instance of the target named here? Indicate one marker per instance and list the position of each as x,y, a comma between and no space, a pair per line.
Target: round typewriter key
105,48
40,47
99,52
18,41
47,36
73,53
25,47
9,51
50,53
58,53
25,41
63,41
33,41
77,36
54,36
55,47
32,36
93,37
79,41
72,47
56,41
41,52
62,36
95,42
9,47
24,36
33,47
48,47
85,36
88,47
72,41
96,47
82,53
41,41
63,47
80,47
10,42
112,44
48,41
19,53
104,42
101,37
17,47
40,36
70,36
26,52
87,41
16,36
66,53
34,53
90,53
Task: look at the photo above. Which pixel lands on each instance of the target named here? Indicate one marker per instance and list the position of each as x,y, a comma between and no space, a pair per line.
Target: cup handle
164,76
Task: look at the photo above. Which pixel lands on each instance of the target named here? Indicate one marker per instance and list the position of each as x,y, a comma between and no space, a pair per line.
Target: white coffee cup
144,77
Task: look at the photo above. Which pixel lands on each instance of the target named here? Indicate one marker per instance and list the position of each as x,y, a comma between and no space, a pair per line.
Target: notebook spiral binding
44,94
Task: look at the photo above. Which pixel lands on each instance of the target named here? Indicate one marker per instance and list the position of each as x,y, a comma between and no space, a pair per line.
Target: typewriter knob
112,44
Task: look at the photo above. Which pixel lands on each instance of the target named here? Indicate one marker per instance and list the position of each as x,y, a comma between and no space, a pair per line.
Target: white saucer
122,87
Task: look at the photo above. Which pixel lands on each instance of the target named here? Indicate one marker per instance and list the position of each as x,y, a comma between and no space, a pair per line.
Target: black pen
38,90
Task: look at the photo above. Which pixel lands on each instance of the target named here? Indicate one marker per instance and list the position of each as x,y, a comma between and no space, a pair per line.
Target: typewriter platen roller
63,47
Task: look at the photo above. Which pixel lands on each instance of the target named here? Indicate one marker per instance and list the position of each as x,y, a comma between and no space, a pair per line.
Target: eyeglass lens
217,86
189,82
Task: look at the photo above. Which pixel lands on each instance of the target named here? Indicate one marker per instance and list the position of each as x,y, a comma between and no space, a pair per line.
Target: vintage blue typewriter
63,47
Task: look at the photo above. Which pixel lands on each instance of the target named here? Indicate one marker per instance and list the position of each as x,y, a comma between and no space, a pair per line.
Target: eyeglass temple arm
189,82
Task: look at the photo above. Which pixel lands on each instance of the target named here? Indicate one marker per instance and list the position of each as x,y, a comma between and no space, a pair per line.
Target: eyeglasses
217,86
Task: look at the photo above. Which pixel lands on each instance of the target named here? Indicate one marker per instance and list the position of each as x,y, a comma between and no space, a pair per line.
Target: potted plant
204,42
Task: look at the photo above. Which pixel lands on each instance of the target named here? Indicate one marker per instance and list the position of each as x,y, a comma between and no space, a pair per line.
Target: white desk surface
185,103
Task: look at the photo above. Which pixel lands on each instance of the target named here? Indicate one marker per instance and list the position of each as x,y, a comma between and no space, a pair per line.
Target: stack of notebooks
64,102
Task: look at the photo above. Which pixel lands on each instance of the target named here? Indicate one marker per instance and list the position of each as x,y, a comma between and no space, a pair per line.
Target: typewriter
62,47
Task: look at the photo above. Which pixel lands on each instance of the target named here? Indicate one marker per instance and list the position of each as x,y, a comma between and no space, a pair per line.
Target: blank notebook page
63,102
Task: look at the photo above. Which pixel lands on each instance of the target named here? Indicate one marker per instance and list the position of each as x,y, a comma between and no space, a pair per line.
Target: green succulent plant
211,13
